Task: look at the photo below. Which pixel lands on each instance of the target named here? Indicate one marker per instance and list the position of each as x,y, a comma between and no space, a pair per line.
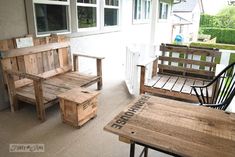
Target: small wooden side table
78,105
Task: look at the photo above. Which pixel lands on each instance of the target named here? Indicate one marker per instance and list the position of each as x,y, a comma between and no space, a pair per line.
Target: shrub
218,46
223,35
213,45
221,21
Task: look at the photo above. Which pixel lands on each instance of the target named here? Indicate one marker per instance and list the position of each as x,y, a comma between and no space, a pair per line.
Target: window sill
49,33
89,32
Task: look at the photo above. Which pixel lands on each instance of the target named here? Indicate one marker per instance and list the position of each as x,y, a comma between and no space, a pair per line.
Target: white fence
131,70
136,54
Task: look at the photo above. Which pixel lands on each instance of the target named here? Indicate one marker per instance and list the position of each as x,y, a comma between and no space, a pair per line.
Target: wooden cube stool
78,105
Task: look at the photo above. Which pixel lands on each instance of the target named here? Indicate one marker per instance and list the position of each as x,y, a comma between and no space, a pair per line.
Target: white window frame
168,11
118,15
97,5
142,12
52,2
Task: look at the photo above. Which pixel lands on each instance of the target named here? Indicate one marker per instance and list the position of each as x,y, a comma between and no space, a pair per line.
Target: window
51,16
87,13
142,9
111,13
163,11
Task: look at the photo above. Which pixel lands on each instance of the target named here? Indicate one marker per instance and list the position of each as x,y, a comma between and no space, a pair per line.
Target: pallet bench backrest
188,61
46,58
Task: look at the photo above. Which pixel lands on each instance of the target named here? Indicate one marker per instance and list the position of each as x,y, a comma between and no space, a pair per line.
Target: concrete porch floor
62,140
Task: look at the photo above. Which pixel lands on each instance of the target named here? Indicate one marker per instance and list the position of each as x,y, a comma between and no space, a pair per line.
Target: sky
212,7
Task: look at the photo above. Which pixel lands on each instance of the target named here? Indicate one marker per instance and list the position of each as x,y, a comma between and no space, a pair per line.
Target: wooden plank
22,82
177,127
50,55
54,90
185,50
39,100
87,55
46,65
172,94
99,73
162,81
64,52
39,63
170,83
56,59
29,90
55,81
187,70
84,95
14,66
3,45
63,57
187,61
153,81
34,49
21,63
12,92
31,64
54,72
187,86
142,79
179,84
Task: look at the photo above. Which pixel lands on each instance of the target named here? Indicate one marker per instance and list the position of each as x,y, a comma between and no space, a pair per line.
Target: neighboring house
186,19
101,27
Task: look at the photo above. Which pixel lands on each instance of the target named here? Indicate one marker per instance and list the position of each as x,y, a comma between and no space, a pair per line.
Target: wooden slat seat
170,85
54,86
177,69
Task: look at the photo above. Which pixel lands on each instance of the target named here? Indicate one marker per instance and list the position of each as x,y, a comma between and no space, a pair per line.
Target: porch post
153,26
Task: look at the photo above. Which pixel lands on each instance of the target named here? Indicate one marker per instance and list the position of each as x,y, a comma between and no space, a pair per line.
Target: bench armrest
88,56
75,60
98,66
38,90
25,75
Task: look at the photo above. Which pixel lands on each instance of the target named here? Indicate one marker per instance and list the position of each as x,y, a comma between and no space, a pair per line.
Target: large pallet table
175,128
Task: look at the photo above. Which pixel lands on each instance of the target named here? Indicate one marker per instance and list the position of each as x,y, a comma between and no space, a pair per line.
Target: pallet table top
78,95
176,127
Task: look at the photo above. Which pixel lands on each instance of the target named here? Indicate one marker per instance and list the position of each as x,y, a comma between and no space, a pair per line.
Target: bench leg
142,79
40,107
12,93
99,73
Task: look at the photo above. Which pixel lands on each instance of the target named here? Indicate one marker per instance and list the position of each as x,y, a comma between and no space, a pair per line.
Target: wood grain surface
177,127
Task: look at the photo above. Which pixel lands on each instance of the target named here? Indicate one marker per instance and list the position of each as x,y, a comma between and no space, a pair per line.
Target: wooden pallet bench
177,68
38,74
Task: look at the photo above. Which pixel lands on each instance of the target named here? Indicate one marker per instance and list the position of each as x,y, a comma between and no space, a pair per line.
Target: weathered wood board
176,127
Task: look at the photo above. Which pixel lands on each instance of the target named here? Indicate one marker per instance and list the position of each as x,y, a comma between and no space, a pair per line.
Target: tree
227,17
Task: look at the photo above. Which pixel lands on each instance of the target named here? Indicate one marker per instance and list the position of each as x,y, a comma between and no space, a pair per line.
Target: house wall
112,45
12,19
12,24
192,29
